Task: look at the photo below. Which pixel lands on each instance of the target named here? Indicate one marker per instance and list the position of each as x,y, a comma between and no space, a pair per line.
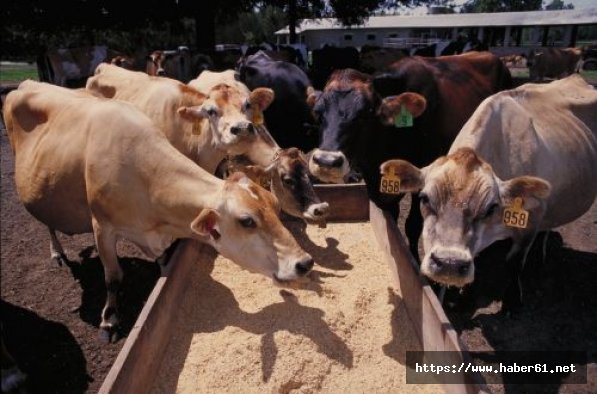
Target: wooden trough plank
347,202
432,327
137,363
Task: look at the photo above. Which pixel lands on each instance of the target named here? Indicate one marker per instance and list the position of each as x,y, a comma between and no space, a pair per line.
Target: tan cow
553,62
204,128
85,164
509,174
285,170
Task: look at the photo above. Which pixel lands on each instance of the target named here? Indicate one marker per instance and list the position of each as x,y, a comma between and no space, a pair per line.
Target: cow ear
262,98
312,96
392,106
191,114
411,178
531,189
28,113
206,223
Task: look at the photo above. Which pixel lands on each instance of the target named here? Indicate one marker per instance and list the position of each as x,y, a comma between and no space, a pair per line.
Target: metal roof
526,18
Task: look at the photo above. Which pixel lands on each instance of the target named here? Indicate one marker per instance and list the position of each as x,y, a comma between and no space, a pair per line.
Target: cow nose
302,267
235,130
161,73
328,159
319,210
450,266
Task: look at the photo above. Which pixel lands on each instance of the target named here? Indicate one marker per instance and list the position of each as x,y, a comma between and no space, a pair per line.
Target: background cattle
509,174
324,61
288,118
375,59
85,164
176,64
70,67
359,128
553,62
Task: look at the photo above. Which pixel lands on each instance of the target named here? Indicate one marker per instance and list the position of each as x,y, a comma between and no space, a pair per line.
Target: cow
176,64
357,115
70,67
289,117
553,63
377,59
324,61
285,171
508,174
447,48
89,165
204,128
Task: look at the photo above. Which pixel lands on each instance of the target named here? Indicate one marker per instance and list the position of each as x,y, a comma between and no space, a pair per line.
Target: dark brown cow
357,114
553,62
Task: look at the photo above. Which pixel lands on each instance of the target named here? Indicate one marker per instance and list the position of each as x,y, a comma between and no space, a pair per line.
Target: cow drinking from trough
357,115
509,174
88,165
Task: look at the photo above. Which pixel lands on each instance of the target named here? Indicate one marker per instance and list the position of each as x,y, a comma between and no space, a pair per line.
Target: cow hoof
60,258
108,335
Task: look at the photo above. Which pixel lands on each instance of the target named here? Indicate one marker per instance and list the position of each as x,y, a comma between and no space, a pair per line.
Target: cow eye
246,106
212,112
247,222
490,211
288,181
424,198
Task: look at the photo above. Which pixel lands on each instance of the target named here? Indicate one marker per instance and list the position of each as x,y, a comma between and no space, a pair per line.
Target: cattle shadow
400,342
557,312
220,309
328,257
45,351
140,277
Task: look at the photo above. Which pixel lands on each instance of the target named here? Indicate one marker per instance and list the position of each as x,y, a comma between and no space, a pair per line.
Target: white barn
505,29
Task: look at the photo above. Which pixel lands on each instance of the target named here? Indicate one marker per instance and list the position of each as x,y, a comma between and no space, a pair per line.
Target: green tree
501,5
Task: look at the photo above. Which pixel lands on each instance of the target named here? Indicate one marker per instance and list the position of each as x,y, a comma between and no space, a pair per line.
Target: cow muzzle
317,212
161,72
329,166
453,269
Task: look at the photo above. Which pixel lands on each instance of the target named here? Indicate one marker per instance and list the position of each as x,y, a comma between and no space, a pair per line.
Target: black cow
288,118
328,59
357,114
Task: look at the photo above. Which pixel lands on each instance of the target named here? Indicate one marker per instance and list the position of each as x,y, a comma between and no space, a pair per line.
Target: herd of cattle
135,156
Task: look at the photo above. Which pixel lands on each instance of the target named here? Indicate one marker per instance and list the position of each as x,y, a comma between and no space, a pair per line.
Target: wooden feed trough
138,363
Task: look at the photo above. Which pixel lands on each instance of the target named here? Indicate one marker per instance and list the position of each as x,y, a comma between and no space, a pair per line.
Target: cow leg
414,226
544,247
515,261
105,240
56,251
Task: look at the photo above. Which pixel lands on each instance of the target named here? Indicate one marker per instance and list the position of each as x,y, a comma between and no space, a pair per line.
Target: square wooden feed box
147,353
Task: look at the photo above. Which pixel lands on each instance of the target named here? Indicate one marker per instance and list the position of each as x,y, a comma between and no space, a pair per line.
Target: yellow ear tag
390,183
257,117
196,128
515,215
404,118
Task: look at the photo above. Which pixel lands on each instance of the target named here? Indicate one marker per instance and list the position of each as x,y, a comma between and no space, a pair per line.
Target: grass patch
17,72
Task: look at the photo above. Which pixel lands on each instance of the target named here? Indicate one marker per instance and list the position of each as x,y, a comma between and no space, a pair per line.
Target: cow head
155,63
463,203
229,114
244,227
291,184
348,111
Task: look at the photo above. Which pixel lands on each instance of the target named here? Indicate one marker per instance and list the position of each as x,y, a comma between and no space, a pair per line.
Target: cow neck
179,187
265,150
202,148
